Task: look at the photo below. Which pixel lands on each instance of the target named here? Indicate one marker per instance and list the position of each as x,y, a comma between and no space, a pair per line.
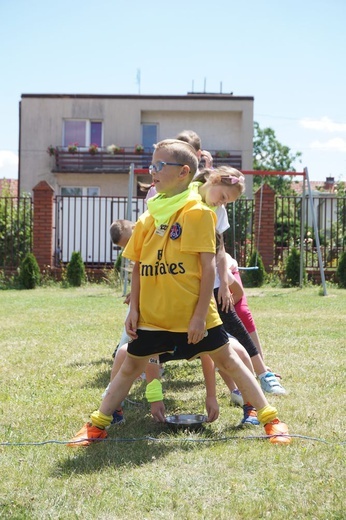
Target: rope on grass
178,440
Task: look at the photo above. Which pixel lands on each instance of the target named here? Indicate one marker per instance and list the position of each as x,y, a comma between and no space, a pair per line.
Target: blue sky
288,55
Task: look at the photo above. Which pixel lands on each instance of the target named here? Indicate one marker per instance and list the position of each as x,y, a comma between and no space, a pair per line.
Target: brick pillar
43,224
264,225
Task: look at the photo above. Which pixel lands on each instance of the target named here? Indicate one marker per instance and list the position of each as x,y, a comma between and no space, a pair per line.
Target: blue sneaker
250,416
270,384
118,417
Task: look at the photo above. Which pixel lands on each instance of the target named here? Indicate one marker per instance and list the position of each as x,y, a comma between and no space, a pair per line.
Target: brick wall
265,224
43,224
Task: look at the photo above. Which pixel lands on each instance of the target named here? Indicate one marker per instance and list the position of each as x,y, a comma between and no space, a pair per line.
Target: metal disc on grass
186,421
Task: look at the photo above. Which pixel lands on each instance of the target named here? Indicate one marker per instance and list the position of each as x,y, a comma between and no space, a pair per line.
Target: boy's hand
131,324
196,331
212,408
158,411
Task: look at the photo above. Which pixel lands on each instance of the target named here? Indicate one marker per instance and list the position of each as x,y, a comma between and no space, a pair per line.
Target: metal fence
240,237
16,222
82,224
293,212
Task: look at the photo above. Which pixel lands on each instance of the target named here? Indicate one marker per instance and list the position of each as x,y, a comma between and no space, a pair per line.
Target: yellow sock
100,420
267,414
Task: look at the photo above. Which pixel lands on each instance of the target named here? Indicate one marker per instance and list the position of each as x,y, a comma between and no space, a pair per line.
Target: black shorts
234,326
150,342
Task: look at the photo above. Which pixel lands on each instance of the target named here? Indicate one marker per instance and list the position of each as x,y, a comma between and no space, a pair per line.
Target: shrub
29,272
255,277
292,270
117,263
341,271
75,272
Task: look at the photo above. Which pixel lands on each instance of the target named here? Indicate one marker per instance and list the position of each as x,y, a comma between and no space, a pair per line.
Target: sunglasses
157,167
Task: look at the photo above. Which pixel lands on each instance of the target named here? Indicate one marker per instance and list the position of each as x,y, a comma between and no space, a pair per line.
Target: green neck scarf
195,185
161,208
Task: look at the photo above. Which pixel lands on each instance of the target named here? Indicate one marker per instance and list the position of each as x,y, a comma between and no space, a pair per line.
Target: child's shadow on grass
139,441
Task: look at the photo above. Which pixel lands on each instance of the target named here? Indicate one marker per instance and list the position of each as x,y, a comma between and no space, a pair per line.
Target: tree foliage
292,269
270,155
29,272
75,272
256,276
15,227
341,271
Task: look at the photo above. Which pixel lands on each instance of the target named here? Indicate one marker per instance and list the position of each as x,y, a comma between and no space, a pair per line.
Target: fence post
264,225
43,224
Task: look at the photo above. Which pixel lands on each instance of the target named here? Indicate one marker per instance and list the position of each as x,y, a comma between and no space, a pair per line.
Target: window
83,132
93,192
149,136
79,191
70,191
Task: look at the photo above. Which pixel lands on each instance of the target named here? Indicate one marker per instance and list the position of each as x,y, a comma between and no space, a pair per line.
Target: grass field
55,360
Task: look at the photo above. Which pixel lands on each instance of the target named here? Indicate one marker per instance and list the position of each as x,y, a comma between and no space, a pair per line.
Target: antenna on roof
193,85
220,87
138,80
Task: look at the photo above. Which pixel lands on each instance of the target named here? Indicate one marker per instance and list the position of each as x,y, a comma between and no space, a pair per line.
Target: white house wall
223,122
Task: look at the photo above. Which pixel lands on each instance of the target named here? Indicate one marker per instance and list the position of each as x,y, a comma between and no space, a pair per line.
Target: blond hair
180,152
223,175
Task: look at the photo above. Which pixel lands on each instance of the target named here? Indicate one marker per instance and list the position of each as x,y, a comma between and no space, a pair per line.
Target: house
84,144
8,187
329,186
328,207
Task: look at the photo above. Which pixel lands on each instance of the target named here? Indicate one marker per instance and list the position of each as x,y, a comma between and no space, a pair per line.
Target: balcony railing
103,161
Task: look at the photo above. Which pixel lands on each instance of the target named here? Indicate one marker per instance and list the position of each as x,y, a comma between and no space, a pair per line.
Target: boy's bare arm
132,318
237,291
224,295
197,325
211,403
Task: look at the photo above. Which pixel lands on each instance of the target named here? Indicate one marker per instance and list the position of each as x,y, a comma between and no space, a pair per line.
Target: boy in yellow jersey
172,307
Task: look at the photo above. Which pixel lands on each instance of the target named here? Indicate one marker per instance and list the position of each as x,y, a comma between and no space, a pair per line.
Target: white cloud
324,124
336,145
8,164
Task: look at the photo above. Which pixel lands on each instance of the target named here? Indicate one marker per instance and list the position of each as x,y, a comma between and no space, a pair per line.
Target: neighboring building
9,186
67,125
325,202
320,187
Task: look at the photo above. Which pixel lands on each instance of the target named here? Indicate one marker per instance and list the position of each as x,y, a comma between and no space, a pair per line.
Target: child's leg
226,359
116,393
121,384
229,362
118,360
255,338
244,356
244,313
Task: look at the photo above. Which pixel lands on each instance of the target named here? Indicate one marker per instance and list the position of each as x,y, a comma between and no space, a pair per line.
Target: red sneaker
280,429
87,435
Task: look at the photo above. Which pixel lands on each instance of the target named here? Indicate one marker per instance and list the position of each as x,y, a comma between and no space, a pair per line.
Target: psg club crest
175,231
